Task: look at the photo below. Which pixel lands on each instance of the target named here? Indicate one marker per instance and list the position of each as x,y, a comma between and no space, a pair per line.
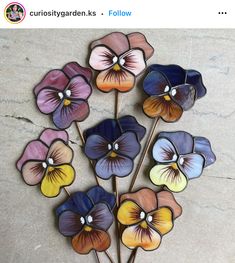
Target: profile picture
15,13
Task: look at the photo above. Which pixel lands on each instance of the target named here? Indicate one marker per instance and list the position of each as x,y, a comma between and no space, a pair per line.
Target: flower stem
115,184
132,256
67,191
116,190
80,133
117,226
116,104
83,143
108,256
144,152
97,257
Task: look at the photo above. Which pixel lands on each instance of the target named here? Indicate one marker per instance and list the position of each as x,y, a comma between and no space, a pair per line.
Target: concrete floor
206,230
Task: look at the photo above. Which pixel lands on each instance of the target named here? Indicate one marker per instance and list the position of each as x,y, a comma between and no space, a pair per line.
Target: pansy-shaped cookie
48,161
86,217
114,144
172,90
147,216
119,58
180,157
63,93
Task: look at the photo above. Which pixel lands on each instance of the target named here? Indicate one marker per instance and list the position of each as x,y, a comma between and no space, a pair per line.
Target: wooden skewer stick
116,104
115,185
144,152
117,226
108,256
132,256
97,257
67,191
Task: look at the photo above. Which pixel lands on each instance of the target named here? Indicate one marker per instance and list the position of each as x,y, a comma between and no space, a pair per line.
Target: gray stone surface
206,230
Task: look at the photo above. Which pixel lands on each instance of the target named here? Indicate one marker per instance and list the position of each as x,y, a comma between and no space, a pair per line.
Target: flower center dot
82,220
109,146
89,219
150,219
173,92
44,165
61,95
115,59
51,169
68,93
142,215
67,102
174,157
116,67
167,98
167,88
88,228
122,61
113,155
144,225
174,166
50,161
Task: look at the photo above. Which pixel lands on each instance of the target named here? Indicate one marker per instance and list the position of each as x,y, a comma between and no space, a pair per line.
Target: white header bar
118,14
